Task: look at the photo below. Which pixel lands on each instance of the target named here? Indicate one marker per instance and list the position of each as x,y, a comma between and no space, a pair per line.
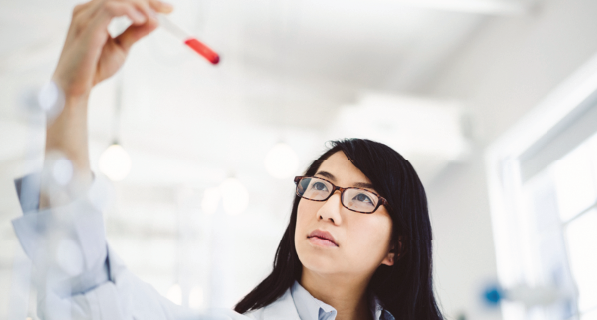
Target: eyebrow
330,176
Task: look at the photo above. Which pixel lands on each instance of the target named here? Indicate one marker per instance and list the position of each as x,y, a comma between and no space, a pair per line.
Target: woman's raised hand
90,55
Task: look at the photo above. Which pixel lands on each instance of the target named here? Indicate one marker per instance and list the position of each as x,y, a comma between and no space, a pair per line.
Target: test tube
188,39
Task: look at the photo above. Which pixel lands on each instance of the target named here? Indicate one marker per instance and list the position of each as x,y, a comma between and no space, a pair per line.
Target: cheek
370,239
306,213
307,210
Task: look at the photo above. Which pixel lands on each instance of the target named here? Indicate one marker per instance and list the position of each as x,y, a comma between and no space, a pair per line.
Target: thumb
134,33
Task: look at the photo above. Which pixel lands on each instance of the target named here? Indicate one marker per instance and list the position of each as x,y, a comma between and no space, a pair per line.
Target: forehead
343,169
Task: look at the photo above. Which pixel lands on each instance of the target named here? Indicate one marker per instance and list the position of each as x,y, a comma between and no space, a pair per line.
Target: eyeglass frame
382,200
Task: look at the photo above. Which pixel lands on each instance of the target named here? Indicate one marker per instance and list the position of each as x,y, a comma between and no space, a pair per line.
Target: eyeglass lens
353,198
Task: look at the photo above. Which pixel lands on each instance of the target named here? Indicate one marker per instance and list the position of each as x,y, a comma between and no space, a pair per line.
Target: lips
322,238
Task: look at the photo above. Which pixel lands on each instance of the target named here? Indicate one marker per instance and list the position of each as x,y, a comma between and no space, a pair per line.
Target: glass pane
575,184
542,229
581,235
545,259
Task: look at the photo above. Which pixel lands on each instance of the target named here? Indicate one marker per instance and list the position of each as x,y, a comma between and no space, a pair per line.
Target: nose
330,211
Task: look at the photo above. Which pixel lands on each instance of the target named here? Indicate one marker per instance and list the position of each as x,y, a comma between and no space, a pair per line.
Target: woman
358,245
381,251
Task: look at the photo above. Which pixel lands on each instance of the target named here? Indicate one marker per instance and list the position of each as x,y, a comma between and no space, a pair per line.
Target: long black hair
405,289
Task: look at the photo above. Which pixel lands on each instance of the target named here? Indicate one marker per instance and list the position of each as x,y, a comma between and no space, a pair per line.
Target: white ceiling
287,69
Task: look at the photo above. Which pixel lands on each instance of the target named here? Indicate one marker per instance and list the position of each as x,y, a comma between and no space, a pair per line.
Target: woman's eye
319,186
362,198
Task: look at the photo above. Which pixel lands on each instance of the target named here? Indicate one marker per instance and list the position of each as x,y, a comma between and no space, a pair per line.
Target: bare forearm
67,135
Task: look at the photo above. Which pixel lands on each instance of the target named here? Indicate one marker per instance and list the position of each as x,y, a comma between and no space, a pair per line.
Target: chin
318,260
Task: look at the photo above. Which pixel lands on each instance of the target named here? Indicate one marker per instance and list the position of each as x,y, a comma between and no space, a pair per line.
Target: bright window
543,187
561,244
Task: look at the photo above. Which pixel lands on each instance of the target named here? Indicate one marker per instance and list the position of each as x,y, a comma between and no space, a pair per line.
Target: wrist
67,133
74,93
76,102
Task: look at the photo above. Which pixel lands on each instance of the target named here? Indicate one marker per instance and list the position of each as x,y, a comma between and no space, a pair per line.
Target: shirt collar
379,313
310,308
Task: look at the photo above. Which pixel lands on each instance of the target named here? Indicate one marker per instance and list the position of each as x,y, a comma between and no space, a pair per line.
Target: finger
112,9
151,7
96,18
96,30
161,6
144,7
87,11
133,34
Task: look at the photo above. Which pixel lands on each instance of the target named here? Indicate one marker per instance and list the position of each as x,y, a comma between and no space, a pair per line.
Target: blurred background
492,101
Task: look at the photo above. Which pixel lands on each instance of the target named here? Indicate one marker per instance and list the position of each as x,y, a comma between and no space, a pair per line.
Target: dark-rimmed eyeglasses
354,199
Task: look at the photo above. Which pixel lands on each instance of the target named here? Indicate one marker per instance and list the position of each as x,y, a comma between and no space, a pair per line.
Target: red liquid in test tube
188,39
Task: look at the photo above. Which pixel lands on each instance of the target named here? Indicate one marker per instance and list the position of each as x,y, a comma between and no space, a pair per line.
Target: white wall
504,71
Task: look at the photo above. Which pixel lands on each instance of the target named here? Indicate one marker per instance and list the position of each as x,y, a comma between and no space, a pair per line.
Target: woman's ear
389,259
392,255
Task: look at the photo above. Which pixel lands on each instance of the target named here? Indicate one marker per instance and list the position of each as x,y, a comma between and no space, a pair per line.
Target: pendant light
115,162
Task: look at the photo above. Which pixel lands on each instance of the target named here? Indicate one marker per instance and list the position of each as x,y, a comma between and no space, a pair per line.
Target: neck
346,294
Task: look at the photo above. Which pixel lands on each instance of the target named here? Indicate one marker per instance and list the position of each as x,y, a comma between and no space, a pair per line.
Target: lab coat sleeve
77,275
66,243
